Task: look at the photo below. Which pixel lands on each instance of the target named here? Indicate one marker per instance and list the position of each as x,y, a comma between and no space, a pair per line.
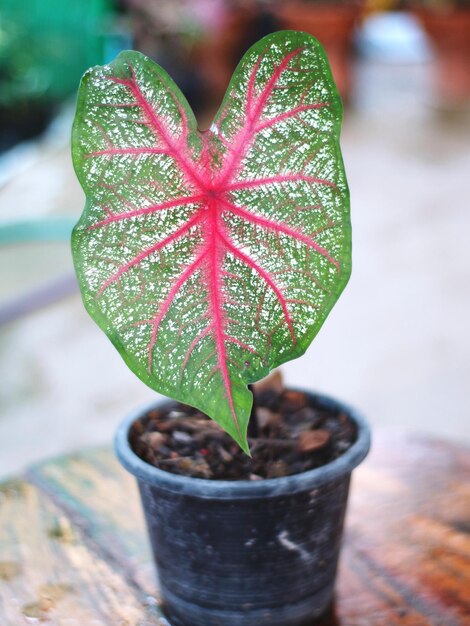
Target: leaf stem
253,425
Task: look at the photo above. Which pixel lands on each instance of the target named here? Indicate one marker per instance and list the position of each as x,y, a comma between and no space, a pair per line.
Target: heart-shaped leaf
211,257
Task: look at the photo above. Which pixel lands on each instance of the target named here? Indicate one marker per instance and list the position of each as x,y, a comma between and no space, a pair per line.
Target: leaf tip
245,446
240,436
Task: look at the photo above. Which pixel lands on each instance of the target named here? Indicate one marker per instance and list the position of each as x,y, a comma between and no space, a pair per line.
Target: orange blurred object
333,25
449,32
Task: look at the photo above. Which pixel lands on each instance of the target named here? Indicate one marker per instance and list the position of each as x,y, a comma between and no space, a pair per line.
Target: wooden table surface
73,550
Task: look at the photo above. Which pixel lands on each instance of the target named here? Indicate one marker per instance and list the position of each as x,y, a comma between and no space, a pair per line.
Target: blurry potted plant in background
447,22
208,259
333,22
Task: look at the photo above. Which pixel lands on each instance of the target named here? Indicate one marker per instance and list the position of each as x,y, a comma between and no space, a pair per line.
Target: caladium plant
211,257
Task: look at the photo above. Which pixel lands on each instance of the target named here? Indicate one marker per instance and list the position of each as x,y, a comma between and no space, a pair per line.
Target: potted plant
208,259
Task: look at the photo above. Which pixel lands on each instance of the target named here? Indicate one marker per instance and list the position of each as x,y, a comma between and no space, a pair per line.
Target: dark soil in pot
293,435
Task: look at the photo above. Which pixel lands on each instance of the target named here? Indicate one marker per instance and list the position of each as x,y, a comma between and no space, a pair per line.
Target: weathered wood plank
402,526
102,499
73,545
49,575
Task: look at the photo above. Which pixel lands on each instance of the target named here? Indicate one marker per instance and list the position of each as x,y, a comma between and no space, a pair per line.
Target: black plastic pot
246,553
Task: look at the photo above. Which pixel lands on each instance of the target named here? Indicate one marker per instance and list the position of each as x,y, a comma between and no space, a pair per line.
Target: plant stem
253,426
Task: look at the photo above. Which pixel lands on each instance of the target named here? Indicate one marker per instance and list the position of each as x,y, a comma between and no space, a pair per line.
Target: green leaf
211,258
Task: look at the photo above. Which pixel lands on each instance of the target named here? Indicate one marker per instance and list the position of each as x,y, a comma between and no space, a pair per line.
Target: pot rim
242,489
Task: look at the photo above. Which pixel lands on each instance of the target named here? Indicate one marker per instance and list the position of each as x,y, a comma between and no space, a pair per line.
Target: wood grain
73,550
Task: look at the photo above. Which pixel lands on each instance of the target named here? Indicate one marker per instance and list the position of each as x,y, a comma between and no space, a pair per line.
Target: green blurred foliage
46,45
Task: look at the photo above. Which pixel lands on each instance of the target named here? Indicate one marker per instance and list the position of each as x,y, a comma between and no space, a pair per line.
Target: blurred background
397,344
